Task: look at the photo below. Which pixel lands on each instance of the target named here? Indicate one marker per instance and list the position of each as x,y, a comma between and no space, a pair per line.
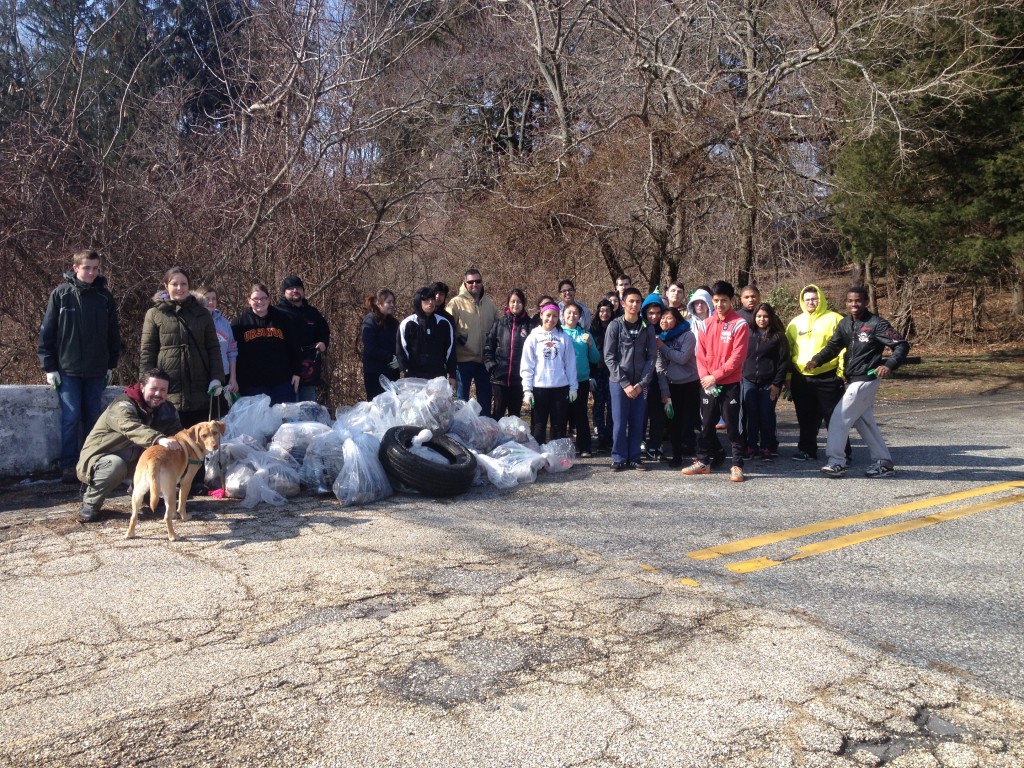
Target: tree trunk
901,296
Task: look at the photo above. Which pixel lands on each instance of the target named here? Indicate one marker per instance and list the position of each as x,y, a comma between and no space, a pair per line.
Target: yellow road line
850,539
742,545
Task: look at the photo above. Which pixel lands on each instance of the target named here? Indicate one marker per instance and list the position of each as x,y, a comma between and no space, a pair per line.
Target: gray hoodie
696,324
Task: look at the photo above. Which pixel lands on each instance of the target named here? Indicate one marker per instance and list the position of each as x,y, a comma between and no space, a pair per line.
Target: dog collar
193,461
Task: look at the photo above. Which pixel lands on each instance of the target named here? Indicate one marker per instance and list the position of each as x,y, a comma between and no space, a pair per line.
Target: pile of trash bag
270,454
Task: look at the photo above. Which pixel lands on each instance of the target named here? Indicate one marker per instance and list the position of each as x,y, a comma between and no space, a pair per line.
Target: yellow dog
161,470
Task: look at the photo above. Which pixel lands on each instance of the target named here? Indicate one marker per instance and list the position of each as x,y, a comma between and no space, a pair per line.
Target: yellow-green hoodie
807,333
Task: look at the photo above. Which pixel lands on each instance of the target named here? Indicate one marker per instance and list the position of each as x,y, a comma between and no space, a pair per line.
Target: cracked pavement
419,633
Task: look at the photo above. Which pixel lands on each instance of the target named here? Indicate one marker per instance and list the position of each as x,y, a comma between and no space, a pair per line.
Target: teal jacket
586,350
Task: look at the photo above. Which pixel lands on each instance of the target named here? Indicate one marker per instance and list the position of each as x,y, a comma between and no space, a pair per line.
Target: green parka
180,338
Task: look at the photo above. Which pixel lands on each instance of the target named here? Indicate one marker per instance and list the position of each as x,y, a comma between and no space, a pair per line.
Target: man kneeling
135,420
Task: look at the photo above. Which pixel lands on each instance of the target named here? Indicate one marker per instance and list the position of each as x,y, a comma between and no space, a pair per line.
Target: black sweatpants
728,405
814,399
550,404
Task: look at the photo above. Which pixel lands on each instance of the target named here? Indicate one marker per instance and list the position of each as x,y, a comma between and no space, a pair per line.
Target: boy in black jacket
426,341
863,336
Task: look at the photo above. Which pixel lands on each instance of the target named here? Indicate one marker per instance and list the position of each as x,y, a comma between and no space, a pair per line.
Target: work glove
108,377
53,379
393,365
215,388
572,395
167,442
528,397
669,410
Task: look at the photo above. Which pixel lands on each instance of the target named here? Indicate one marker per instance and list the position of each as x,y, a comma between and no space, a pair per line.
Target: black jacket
267,352
378,347
309,328
767,359
503,347
864,341
79,335
426,344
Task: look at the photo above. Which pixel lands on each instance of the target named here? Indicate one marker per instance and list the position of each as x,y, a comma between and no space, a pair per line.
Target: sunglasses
473,282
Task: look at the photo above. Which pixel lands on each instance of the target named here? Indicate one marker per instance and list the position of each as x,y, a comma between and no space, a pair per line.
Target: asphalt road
943,591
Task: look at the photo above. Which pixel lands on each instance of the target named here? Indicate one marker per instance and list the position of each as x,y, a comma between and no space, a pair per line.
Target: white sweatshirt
549,360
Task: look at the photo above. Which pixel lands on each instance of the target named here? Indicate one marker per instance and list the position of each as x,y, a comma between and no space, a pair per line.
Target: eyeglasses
258,299
473,282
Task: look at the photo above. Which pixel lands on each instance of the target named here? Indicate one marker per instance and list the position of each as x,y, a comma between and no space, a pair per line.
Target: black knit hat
292,281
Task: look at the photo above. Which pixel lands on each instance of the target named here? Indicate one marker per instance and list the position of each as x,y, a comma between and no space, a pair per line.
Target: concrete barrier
30,429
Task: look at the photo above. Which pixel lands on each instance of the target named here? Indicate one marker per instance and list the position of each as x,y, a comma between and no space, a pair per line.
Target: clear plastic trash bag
559,455
362,479
252,416
478,432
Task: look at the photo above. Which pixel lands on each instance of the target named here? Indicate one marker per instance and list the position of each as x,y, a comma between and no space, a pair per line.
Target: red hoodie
722,348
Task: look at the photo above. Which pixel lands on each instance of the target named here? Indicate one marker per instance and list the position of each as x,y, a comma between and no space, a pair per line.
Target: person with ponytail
378,335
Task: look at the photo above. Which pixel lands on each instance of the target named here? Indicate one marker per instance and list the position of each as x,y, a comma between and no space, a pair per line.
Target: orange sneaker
737,475
697,468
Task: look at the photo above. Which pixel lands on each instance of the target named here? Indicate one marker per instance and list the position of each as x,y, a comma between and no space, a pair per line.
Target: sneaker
720,425
880,469
697,468
834,470
749,453
766,456
88,514
737,475
639,466
68,476
802,456
584,455
618,466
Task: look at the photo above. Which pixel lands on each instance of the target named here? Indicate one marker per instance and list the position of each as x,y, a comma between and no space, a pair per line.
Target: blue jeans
81,401
759,423
470,373
628,428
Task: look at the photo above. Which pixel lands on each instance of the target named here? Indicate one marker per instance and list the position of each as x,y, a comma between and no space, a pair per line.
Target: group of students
269,349
669,363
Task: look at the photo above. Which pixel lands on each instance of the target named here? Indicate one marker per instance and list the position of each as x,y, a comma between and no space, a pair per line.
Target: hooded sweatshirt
126,428
696,324
808,333
549,360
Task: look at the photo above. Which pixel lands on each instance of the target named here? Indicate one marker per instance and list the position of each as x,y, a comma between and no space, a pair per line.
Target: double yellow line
830,545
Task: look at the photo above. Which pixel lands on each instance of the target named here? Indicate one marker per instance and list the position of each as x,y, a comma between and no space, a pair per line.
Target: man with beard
312,334
135,420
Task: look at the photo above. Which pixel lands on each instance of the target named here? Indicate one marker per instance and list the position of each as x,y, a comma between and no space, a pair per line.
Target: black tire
423,475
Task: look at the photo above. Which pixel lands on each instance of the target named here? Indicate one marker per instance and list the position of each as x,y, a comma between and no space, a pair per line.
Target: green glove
669,410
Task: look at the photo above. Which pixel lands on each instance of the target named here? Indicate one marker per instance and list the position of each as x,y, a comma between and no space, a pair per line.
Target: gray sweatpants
108,472
856,409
